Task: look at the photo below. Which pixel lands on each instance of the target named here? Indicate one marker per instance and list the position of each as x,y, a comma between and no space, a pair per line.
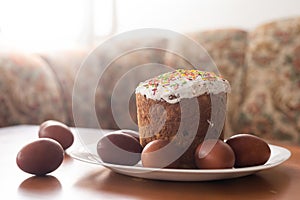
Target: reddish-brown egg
40,157
57,131
118,148
129,132
249,150
214,154
160,154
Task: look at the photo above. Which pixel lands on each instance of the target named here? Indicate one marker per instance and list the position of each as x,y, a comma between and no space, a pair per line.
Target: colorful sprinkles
173,80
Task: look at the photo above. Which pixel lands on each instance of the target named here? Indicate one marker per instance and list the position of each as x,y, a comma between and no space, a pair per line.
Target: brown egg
40,157
249,150
57,131
160,154
214,154
118,148
42,125
132,133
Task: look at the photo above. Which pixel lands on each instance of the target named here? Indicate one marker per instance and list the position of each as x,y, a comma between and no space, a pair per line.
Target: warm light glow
35,25
198,15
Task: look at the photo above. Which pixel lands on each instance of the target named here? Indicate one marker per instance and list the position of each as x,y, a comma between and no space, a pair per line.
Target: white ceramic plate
278,155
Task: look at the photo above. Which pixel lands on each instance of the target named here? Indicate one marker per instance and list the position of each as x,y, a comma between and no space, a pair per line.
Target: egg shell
40,157
214,154
45,123
160,154
132,133
249,150
118,148
57,131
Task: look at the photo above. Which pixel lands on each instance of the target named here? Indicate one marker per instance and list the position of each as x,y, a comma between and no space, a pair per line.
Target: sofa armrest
29,91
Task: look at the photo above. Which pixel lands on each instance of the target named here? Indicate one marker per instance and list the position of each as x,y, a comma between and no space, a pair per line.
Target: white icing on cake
176,85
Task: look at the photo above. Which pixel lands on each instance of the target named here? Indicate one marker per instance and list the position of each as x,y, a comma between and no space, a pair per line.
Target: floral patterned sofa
262,65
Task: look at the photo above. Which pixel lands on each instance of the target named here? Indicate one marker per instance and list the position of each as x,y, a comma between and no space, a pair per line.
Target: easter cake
183,106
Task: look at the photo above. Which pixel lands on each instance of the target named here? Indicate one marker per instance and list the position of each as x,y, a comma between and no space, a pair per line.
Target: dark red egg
57,131
249,150
214,154
40,157
132,133
118,148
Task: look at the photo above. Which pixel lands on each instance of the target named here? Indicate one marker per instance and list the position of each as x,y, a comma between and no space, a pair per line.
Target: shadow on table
40,185
269,183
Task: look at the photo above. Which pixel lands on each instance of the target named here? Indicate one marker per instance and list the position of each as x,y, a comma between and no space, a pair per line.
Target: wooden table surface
79,180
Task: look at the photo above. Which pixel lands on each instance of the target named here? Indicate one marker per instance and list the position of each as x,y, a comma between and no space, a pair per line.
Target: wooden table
79,180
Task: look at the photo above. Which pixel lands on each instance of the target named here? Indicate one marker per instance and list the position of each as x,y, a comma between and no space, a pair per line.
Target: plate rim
93,160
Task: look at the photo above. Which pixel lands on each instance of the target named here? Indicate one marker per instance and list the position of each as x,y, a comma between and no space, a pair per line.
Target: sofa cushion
272,103
227,47
115,93
89,79
64,65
